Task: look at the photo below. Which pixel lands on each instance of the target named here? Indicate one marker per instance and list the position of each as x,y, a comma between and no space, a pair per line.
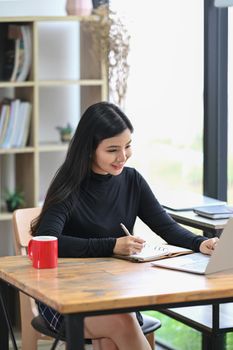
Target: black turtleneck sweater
88,224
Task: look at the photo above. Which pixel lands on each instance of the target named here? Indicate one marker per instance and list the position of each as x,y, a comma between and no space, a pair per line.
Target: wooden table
84,287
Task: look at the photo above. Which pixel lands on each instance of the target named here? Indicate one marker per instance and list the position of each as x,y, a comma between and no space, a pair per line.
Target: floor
46,345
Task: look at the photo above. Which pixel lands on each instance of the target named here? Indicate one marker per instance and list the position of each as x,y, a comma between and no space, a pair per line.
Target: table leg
4,334
213,342
6,326
212,233
75,332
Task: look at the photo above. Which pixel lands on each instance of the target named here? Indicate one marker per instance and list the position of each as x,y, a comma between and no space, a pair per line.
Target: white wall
58,59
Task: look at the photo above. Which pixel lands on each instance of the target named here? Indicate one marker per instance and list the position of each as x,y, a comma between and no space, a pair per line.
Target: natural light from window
165,94
165,91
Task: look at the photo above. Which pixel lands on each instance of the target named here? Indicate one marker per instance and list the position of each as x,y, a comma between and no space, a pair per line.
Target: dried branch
111,41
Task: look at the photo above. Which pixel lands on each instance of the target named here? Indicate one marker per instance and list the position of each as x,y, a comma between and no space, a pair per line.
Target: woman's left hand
208,246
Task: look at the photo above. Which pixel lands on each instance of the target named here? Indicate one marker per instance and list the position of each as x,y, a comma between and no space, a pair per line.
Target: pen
126,231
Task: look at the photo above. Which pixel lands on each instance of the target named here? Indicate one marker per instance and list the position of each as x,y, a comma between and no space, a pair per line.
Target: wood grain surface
80,285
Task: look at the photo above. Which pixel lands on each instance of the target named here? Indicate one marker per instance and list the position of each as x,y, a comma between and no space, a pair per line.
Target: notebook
215,211
220,260
153,252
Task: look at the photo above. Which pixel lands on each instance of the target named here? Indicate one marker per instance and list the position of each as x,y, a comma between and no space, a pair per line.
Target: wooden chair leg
29,339
29,336
151,340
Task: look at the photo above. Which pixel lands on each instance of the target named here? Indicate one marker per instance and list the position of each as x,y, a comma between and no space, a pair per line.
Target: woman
90,195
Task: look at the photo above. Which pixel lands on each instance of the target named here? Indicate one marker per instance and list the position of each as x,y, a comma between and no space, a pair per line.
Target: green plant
14,199
65,132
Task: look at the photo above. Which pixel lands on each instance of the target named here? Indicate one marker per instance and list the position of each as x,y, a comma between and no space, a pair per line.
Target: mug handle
30,249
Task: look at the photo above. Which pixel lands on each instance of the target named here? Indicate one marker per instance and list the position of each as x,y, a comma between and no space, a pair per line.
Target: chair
28,308
150,324
33,326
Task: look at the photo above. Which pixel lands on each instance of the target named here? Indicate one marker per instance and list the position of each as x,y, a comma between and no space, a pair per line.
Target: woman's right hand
128,245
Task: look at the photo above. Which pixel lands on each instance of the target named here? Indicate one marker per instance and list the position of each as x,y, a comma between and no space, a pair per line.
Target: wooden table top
81,285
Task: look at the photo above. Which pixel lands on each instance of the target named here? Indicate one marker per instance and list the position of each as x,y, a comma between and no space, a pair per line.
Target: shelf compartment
50,19
15,84
53,147
5,216
81,82
17,150
66,77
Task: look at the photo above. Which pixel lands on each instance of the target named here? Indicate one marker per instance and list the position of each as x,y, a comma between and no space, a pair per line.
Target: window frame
215,101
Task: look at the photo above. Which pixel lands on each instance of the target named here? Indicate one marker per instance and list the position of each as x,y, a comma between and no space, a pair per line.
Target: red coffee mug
43,251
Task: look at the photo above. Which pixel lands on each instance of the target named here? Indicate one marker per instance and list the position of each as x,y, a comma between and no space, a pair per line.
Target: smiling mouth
118,167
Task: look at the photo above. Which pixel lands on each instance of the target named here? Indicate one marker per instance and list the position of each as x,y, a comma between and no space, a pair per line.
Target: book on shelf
4,120
14,106
152,252
3,49
215,212
8,53
16,47
15,124
15,34
24,69
24,127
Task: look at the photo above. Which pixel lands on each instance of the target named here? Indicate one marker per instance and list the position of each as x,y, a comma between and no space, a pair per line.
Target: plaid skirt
55,320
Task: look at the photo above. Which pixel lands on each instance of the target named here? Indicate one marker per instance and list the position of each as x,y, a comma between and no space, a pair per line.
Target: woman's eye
111,150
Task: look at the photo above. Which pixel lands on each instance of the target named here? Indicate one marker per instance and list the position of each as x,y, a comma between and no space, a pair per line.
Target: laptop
181,201
220,260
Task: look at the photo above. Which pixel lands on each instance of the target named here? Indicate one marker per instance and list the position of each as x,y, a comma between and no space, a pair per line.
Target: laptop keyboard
200,265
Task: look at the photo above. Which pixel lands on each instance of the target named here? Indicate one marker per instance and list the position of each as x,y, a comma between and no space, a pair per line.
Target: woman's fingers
128,245
208,246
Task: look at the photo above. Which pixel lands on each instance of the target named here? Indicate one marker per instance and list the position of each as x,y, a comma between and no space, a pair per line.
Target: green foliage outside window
179,336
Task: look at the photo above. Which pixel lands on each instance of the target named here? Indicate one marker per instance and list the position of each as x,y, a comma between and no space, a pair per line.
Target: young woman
90,195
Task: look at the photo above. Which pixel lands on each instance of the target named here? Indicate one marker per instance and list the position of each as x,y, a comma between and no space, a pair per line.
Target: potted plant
14,200
65,132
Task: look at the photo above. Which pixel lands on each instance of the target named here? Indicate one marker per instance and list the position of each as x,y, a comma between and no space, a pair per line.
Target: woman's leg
103,343
121,330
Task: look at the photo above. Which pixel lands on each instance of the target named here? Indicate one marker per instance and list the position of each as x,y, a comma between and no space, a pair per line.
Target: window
230,106
165,91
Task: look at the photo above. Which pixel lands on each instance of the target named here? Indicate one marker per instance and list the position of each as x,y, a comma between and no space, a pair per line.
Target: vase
79,7
66,137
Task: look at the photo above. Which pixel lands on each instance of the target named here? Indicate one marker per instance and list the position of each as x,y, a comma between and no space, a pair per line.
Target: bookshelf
28,168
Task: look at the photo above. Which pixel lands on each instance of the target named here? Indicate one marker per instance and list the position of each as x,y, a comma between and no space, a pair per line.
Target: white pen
126,231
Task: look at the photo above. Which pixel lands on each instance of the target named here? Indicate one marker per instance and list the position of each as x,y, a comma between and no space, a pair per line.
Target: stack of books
16,44
15,118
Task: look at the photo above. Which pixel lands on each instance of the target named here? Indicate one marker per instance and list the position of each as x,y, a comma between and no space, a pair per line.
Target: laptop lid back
222,259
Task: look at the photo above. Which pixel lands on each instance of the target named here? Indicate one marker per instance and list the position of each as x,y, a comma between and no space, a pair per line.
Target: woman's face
112,153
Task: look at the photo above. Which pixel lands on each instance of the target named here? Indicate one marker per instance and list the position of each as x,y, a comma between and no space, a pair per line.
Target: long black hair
100,121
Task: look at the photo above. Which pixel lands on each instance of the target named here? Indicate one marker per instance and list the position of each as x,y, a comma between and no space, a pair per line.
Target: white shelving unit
51,92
